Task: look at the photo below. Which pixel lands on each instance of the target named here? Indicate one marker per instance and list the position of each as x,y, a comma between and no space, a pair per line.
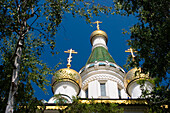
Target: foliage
160,100
78,107
33,70
149,36
41,19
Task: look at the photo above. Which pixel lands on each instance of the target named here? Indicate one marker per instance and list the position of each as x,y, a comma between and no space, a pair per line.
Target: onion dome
132,76
98,32
67,75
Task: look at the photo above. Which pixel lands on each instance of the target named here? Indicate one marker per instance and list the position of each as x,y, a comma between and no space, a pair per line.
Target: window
102,64
91,65
119,93
112,65
121,70
103,89
86,93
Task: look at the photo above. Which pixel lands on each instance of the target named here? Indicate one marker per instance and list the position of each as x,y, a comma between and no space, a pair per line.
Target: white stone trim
106,72
102,77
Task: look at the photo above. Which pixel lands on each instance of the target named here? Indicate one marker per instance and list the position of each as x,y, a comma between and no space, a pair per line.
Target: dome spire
98,39
131,51
97,22
69,58
96,34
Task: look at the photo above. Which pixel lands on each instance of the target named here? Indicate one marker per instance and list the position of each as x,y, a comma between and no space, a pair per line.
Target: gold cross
131,51
97,22
69,58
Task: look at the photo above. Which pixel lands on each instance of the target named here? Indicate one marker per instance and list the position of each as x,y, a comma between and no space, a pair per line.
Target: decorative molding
102,71
118,101
102,77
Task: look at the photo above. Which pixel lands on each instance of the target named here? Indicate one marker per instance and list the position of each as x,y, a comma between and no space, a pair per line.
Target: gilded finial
69,58
131,51
97,22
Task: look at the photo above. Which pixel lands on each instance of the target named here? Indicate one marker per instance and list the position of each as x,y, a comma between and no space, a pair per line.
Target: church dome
134,75
67,74
100,54
98,33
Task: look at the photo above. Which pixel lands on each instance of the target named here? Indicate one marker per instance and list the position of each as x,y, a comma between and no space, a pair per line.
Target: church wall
99,41
136,92
123,94
135,89
93,89
82,94
66,88
112,89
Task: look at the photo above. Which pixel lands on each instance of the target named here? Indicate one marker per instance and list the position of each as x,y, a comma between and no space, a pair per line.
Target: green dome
100,54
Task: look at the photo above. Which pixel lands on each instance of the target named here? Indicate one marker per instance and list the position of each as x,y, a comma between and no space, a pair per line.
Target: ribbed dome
133,75
98,33
67,74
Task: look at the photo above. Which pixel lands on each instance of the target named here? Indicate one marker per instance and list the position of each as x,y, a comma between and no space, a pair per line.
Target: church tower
101,76
133,88
66,83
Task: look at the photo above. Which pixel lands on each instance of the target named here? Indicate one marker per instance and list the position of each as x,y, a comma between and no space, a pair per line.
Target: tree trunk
14,83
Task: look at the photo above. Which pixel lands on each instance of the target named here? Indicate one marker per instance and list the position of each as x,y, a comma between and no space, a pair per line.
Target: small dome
133,75
67,74
98,33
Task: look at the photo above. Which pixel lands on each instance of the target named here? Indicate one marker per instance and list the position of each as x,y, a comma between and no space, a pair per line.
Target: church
101,79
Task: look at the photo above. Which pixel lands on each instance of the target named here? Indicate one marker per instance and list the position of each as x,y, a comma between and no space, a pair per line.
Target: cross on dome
97,22
131,51
69,58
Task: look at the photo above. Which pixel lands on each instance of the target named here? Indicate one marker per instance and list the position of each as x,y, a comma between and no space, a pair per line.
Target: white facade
66,89
135,89
111,77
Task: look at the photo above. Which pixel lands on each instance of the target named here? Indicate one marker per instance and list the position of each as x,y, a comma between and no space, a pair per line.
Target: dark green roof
100,54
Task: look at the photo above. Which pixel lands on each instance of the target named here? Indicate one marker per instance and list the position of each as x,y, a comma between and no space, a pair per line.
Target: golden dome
133,75
98,33
67,74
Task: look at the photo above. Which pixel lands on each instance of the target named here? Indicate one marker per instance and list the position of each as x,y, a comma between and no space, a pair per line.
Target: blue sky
75,33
